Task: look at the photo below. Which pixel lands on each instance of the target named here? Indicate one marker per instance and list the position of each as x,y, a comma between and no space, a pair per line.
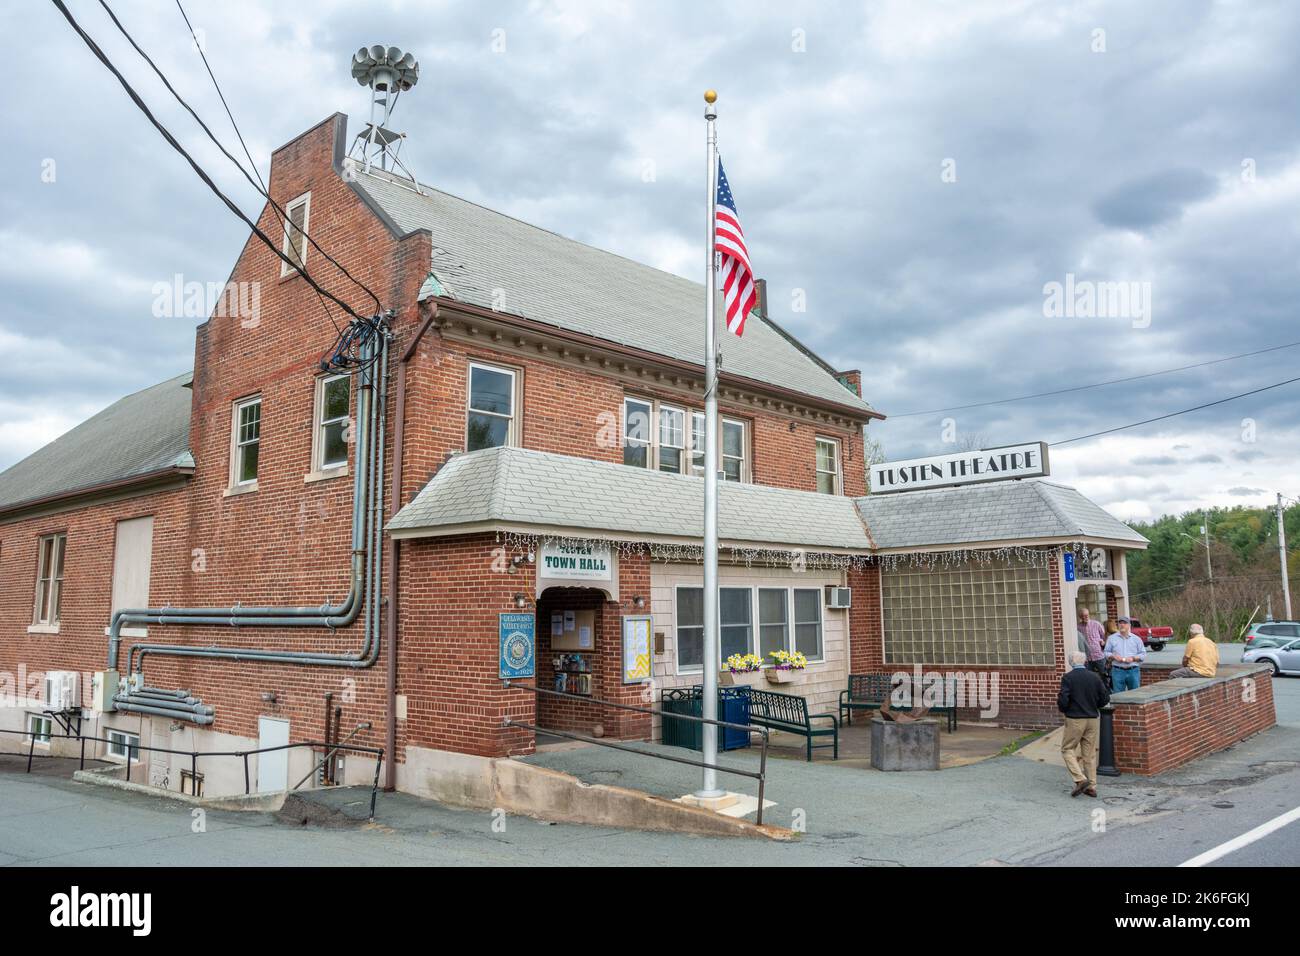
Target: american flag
738,292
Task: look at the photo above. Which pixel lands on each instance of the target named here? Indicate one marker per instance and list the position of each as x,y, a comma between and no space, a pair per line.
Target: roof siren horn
388,72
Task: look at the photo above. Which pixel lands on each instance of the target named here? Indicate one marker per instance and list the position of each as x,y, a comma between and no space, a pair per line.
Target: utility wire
1160,418
222,96
280,213
1081,388
198,170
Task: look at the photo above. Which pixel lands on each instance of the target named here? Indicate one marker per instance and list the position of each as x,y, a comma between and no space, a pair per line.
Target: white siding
823,680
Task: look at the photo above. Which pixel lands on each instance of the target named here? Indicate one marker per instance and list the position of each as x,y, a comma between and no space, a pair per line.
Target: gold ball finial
710,96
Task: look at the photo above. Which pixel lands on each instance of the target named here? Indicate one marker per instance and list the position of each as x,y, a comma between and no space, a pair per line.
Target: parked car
1153,637
1271,633
1285,658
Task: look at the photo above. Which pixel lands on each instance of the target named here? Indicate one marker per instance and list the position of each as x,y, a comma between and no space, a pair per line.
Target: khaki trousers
1079,748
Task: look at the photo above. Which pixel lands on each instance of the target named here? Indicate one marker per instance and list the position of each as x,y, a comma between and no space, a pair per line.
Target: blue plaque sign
517,643
1069,566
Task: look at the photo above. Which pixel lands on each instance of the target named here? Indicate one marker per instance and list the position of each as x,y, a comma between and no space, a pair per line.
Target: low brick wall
1167,722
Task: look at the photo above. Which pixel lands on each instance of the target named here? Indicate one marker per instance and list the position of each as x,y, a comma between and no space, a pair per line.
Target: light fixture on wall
520,600
268,697
638,602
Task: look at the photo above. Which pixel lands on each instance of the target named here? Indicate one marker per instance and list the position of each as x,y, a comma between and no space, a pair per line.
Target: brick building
291,555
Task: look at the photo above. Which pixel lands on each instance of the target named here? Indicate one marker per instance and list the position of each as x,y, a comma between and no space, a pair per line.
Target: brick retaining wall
1167,723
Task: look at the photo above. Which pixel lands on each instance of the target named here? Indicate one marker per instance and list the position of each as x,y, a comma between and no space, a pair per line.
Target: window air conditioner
838,598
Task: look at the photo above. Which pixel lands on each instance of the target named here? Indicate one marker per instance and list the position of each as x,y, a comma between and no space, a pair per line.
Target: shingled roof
143,434
521,489
996,511
548,278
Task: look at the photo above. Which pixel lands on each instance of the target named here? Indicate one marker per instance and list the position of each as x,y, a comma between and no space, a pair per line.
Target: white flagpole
709,785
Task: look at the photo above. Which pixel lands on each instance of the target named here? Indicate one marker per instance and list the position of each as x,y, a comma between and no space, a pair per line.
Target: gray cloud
1153,200
835,154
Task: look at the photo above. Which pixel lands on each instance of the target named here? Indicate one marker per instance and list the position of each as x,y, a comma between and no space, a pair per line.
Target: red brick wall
577,411
453,591
80,644
1155,736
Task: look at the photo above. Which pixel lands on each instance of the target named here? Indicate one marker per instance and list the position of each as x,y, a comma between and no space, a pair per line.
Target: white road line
1247,838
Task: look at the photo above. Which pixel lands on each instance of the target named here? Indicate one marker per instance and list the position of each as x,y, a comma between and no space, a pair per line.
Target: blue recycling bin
733,707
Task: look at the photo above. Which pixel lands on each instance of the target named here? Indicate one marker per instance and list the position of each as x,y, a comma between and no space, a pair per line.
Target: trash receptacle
733,707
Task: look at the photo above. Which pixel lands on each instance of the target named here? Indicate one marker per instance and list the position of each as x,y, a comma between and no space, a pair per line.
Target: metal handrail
760,775
194,755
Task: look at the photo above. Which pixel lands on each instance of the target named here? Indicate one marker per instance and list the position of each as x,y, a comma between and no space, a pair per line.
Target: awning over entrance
549,495
522,489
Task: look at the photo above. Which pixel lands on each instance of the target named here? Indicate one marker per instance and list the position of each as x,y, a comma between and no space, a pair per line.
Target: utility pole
1281,554
1209,570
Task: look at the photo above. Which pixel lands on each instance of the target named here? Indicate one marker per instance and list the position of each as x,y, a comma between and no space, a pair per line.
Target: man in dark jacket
1082,696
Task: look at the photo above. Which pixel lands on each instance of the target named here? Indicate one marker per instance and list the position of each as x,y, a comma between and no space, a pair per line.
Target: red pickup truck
1153,637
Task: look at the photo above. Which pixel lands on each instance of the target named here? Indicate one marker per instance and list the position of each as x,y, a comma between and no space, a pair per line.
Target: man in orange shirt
1201,659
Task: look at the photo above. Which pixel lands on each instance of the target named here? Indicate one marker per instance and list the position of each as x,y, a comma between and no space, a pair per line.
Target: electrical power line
259,185
1160,418
262,182
1081,388
198,170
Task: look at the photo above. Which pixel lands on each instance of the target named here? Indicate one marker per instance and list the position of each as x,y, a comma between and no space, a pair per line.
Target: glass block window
997,613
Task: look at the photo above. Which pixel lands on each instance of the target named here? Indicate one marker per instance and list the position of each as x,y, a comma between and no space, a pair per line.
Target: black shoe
1091,791
1079,788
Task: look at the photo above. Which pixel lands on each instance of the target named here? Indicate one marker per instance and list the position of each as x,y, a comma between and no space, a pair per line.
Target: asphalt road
1007,810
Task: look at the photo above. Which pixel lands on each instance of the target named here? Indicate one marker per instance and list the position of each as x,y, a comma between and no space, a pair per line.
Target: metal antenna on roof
388,72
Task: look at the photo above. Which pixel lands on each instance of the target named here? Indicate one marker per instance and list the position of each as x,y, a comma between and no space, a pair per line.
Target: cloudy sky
913,178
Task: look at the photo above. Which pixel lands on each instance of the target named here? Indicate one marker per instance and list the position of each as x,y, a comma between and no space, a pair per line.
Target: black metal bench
789,713
869,691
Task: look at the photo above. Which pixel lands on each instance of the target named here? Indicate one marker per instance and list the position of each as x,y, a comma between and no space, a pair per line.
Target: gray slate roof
996,511
519,486
548,278
142,433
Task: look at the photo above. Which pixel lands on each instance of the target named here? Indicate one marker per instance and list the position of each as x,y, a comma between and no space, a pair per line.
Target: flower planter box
739,679
784,675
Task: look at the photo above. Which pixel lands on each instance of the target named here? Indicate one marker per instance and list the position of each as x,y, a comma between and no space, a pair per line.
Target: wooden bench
789,713
869,691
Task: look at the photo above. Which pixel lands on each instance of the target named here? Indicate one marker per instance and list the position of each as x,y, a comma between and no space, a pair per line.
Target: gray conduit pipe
128,707
358,659
150,615
365,530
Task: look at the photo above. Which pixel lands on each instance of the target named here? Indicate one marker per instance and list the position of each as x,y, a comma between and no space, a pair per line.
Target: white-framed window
295,234
245,441
40,727
656,436
773,621
788,619
49,579
121,743
638,436
697,444
333,406
734,464
689,620
672,439
808,622
491,419
828,466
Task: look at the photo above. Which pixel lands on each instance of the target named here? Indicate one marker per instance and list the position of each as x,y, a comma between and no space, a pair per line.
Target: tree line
1169,583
